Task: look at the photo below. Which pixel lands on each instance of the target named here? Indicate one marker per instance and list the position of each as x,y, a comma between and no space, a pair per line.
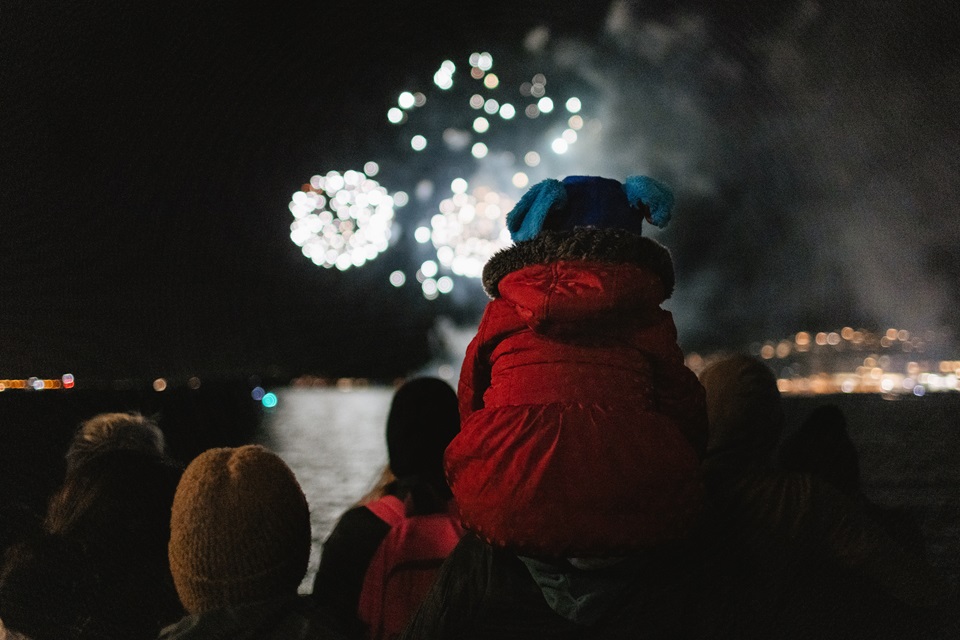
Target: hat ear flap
526,219
655,195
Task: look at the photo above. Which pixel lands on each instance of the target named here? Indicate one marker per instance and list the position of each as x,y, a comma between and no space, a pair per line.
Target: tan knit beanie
240,530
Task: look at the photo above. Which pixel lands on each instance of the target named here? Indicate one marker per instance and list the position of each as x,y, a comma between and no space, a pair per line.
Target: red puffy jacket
582,430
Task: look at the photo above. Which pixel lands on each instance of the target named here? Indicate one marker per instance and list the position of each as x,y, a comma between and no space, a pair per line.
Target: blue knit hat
588,201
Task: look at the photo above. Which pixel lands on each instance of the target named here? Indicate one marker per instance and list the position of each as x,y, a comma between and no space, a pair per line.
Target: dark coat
287,618
582,429
487,593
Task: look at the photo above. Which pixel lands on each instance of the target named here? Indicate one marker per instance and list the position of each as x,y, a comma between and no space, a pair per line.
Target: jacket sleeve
678,393
861,543
475,371
801,507
474,379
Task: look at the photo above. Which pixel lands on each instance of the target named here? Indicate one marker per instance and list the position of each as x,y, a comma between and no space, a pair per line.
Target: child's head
588,201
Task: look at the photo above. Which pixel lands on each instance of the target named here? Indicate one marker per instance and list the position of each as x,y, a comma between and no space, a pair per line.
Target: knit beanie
239,531
423,419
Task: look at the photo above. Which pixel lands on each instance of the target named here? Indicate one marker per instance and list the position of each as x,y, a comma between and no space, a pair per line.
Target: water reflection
334,441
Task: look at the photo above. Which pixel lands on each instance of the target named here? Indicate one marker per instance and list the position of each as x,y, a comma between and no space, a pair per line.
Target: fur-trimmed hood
596,245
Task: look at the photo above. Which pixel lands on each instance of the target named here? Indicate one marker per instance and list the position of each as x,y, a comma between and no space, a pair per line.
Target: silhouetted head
116,507
423,419
823,447
101,565
109,431
743,408
119,497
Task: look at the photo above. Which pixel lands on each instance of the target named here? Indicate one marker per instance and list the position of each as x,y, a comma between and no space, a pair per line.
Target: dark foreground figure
383,555
775,555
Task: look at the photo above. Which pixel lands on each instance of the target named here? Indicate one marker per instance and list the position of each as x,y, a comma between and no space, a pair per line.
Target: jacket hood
610,246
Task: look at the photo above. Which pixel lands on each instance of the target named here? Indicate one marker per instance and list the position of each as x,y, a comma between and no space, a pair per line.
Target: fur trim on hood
588,244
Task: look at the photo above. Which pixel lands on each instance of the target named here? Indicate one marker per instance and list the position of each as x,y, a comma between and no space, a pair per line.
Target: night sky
148,152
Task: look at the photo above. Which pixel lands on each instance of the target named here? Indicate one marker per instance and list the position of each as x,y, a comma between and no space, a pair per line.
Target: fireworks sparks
497,131
342,220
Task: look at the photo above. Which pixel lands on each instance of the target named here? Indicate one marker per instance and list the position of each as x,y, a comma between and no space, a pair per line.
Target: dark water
909,448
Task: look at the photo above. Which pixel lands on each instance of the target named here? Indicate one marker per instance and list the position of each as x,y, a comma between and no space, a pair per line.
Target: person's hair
116,508
101,562
743,406
117,496
109,431
423,419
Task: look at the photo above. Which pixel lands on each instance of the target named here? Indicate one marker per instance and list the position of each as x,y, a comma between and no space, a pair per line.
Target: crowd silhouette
580,483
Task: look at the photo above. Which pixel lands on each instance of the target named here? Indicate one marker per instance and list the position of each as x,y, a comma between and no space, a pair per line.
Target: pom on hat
526,219
655,195
588,201
239,530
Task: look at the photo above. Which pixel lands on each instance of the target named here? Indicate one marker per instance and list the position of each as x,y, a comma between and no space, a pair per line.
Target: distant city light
397,278
67,380
160,384
481,125
418,143
573,105
257,393
854,361
269,400
395,115
507,111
